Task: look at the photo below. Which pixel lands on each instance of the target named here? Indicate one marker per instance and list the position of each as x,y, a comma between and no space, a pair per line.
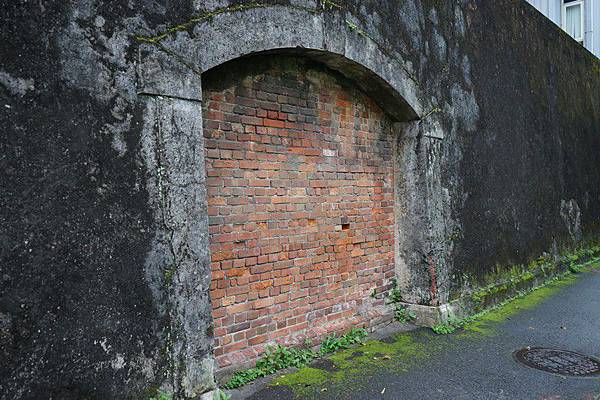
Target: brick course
300,203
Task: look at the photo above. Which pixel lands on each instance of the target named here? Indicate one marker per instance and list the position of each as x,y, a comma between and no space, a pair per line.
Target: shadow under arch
375,87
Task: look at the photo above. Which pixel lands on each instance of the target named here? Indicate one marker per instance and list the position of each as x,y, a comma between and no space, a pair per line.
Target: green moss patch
399,353
407,350
280,357
510,282
304,377
483,323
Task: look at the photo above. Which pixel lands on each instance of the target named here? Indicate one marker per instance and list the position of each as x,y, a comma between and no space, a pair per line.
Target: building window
572,18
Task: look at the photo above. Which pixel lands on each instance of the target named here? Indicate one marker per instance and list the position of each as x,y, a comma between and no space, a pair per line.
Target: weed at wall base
455,323
401,314
280,357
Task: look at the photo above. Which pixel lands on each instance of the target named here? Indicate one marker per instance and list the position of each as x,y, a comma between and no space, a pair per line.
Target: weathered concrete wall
529,173
104,266
88,232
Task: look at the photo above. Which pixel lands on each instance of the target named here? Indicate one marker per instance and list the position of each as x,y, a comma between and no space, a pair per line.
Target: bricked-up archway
172,71
300,187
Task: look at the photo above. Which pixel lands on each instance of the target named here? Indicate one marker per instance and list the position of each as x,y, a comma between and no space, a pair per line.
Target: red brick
237,308
257,340
282,179
225,164
262,303
248,120
249,164
357,252
274,123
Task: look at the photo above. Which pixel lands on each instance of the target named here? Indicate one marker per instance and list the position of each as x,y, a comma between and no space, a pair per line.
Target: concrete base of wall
208,395
434,315
477,301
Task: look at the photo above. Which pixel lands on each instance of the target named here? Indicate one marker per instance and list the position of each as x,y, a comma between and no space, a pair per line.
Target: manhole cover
560,362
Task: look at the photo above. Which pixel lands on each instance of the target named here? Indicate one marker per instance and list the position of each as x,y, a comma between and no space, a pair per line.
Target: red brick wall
300,195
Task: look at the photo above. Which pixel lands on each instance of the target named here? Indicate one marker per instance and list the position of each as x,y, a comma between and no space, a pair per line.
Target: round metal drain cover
560,362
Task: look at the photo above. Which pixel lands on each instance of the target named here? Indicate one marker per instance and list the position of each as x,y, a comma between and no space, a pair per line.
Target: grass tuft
280,357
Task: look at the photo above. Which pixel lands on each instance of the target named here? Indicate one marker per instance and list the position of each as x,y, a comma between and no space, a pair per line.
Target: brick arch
300,181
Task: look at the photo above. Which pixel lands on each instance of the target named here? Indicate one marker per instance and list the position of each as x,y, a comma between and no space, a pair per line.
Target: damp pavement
476,363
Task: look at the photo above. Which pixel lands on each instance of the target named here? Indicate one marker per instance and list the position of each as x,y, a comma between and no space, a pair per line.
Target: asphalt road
482,366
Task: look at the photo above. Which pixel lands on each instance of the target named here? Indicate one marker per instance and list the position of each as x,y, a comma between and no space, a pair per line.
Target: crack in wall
230,9
164,207
327,5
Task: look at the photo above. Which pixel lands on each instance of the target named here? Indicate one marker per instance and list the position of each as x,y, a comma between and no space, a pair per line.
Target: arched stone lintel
173,66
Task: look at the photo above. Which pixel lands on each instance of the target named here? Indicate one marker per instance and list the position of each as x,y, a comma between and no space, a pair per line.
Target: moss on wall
507,282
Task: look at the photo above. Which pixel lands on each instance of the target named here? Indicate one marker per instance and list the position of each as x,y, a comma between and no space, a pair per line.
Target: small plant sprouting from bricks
401,313
395,296
280,357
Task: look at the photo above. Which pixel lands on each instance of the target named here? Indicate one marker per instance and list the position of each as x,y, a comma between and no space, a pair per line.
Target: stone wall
105,257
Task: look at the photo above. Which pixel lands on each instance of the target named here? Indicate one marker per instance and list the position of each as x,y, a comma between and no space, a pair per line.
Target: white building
579,18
